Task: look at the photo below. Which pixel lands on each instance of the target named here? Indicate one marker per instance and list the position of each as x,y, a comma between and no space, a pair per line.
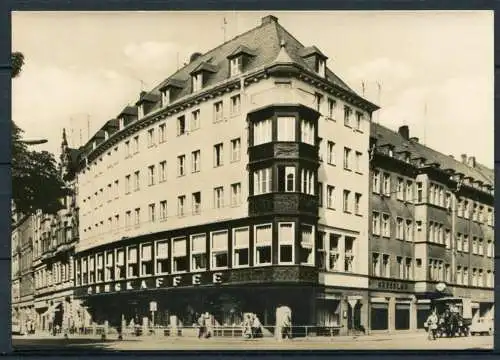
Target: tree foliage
36,180
17,59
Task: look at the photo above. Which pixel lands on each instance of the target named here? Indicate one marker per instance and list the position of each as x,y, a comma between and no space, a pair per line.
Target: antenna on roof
425,120
363,87
379,99
224,23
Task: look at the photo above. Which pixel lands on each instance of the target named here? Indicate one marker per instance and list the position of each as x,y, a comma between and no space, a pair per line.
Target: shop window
120,264
132,262
100,267
423,312
241,245
263,244
161,253
179,255
402,314
349,254
91,269
219,250
286,179
286,239
379,316
146,259
307,245
286,128
109,272
198,252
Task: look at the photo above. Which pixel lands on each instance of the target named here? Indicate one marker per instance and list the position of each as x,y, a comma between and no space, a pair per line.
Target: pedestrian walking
432,324
201,326
256,327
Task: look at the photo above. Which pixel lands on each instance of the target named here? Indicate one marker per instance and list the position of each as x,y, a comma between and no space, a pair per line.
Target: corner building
238,184
432,222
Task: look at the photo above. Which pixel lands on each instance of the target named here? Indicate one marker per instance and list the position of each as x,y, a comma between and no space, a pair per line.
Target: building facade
238,184
432,222
55,237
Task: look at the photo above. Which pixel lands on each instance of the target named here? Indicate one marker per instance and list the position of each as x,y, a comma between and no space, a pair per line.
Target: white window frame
163,171
173,240
214,251
235,104
262,132
163,258
218,111
330,148
195,161
162,133
219,155
195,120
181,205
235,150
235,196
330,197
286,242
240,247
268,243
141,260
286,128
312,244
262,184
198,252
219,197
181,165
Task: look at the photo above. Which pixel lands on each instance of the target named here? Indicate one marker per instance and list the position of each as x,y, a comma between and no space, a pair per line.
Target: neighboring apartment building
238,184
432,222
22,275
53,255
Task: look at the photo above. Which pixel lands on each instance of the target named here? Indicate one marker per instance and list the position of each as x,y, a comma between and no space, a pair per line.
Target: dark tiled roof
242,49
311,50
148,97
385,135
129,110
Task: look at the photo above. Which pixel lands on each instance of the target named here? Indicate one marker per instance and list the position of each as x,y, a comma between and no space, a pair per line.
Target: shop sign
390,285
182,280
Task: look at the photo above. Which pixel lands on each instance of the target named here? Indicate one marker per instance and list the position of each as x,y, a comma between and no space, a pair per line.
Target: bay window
263,244
219,250
262,132
198,252
307,132
241,246
146,259
132,262
161,254
286,239
307,244
286,128
262,181
308,184
179,255
286,178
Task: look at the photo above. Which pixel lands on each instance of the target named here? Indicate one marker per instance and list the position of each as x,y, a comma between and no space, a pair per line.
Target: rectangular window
359,120
132,262
262,181
165,97
400,190
386,227
163,210
137,176
386,269
235,104
320,194
218,112
409,191
401,269
136,144
137,217
147,260
218,155
345,206
120,264
196,203
308,183
347,116
151,137
307,245
286,239
262,132
330,197
332,104
347,160
357,164
376,182
241,245
349,254
376,264
408,273
263,244
376,223
198,252
162,129
307,132
181,165
127,149
117,189
109,271
235,194
357,202
399,229
235,149
128,219
195,161
219,197
219,250
331,152
409,230
420,192
181,125
162,263
151,178
286,128
466,276
179,255
466,243
163,171
387,184
152,212
181,205
127,184
197,82
100,269
195,120
236,65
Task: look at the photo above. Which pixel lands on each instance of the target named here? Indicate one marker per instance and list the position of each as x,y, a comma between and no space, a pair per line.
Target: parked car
482,326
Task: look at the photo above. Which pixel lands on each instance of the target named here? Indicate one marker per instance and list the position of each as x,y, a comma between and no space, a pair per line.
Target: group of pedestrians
252,327
205,329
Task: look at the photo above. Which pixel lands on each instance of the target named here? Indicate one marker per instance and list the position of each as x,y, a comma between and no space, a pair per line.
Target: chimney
414,139
472,161
269,19
404,131
464,158
194,56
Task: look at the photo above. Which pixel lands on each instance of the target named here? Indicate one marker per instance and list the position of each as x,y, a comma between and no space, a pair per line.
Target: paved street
372,342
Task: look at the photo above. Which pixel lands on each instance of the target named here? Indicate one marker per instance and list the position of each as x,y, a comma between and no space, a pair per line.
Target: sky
435,68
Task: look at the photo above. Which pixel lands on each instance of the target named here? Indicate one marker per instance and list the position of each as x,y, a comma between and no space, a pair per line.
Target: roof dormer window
320,67
165,97
197,81
236,65
140,111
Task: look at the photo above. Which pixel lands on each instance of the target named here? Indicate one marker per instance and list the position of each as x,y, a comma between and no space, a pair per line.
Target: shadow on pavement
63,345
